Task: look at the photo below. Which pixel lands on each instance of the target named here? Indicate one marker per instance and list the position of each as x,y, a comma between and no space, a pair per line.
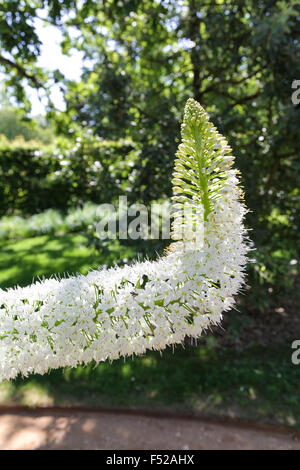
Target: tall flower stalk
123,311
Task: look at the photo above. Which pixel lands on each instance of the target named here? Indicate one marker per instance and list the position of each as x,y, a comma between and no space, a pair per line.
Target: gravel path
88,430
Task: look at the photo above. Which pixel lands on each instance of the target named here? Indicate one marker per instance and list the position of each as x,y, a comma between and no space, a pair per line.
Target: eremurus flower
123,311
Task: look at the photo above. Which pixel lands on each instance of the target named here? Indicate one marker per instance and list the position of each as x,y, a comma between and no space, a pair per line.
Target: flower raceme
123,311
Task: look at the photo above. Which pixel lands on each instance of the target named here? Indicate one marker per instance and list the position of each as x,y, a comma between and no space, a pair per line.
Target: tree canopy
144,58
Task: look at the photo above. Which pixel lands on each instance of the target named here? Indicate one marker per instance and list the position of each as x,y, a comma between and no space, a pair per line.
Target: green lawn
255,384
25,259
259,383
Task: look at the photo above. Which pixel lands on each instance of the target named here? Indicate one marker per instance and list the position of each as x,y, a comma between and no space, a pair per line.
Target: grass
26,259
259,383
256,384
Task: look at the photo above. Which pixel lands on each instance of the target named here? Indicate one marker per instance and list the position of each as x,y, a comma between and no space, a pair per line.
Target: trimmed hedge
34,178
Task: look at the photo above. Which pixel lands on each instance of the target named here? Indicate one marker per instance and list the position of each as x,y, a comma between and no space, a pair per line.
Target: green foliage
150,56
20,45
143,60
13,124
50,221
23,169
34,178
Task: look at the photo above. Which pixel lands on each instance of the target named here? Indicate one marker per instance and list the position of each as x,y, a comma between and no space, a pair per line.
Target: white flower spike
123,311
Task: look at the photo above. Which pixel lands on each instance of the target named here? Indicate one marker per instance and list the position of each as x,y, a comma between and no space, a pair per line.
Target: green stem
202,178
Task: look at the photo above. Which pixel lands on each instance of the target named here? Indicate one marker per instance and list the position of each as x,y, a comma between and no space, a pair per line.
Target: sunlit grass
26,259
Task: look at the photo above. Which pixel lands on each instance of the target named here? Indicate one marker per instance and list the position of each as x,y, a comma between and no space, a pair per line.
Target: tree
20,46
14,124
239,58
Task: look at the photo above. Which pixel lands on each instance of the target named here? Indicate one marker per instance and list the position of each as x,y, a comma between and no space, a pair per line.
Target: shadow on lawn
259,383
22,261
